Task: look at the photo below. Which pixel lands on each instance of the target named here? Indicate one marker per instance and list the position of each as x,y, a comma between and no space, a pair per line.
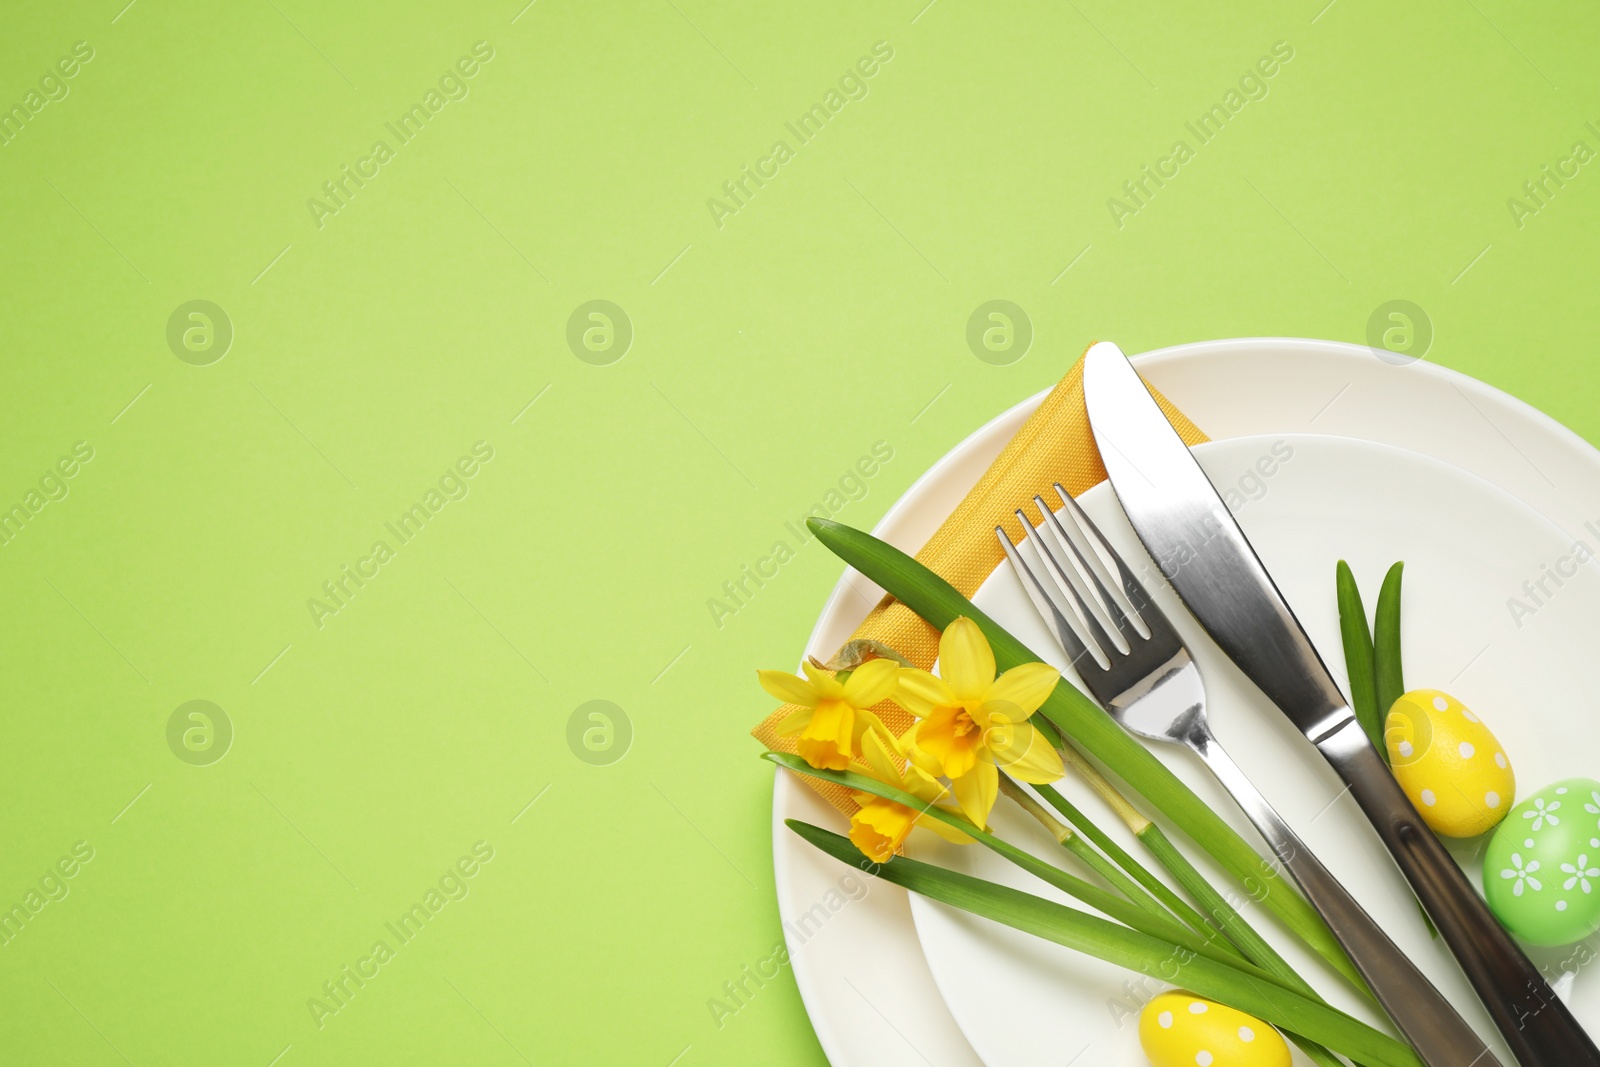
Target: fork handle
1538,1027
1441,1037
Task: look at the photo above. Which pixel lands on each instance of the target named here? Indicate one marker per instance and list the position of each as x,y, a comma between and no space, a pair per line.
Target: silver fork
1148,683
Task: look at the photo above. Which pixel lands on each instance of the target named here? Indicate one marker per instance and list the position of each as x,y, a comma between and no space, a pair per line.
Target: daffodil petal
965,660
1029,757
1019,692
944,830
919,692
976,792
788,688
795,721
925,788
876,750
866,720
825,684
924,763
872,682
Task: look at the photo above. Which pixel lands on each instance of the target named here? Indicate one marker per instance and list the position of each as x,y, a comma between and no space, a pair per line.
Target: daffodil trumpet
972,721
1081,720
1104,901
1243,987
880,825
834,714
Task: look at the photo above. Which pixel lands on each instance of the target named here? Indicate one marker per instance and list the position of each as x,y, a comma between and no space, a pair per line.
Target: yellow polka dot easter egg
1448,763
1182,1030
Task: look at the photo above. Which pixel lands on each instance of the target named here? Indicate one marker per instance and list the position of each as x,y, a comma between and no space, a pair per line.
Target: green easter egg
1541,874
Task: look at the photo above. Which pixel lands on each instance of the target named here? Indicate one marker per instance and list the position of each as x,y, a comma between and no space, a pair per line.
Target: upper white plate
1304,502
859,966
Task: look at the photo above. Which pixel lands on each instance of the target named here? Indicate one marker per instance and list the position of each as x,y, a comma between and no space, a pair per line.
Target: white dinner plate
858,963
1305,502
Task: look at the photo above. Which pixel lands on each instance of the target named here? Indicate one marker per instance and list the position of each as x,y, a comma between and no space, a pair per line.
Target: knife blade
1206,558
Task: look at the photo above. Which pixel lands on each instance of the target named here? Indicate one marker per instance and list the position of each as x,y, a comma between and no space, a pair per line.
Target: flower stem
1156,842
1231,983
1142,874
1160,925
1234,927
1084,851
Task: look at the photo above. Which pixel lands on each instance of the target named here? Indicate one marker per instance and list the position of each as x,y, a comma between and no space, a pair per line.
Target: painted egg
1541,874
1181,1030
1448,763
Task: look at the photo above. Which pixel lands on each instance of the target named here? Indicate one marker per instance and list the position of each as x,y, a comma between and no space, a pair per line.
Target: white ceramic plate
861,972
1468,547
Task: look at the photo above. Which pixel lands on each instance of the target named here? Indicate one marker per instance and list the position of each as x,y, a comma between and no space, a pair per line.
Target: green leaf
1387,668
1142,874
1108,903
939,603
1358,658
1238,933
1241,933
1137,951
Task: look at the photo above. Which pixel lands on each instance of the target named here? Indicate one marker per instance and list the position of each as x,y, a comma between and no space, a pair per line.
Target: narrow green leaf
1238,933
1132,949
1096,861
939,603
1255,947
1358,657
1387,668
1142,874
1119,908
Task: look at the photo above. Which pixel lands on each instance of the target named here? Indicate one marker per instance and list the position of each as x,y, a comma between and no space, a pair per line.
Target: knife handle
1537,1026
1433,1026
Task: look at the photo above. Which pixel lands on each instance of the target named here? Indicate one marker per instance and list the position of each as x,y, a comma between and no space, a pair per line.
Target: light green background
829,313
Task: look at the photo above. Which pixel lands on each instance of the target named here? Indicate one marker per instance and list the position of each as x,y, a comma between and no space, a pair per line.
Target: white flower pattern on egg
1523,875
1541,873
1542,813
1581,872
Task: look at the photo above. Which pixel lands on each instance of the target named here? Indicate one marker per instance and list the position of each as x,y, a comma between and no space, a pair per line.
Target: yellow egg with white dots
1182,1030
1449,763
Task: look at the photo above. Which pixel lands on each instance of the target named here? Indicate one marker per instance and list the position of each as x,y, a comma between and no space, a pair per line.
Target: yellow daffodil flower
973,725
881,826
833,715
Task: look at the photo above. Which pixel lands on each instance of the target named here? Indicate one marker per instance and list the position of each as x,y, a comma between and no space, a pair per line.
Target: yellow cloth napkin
1054,445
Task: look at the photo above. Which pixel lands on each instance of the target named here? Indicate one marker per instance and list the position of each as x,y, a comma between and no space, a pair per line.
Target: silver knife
1188,530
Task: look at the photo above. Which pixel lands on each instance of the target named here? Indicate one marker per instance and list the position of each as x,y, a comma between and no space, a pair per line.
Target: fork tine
1054,611
1062,572
1138,598
1095,579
